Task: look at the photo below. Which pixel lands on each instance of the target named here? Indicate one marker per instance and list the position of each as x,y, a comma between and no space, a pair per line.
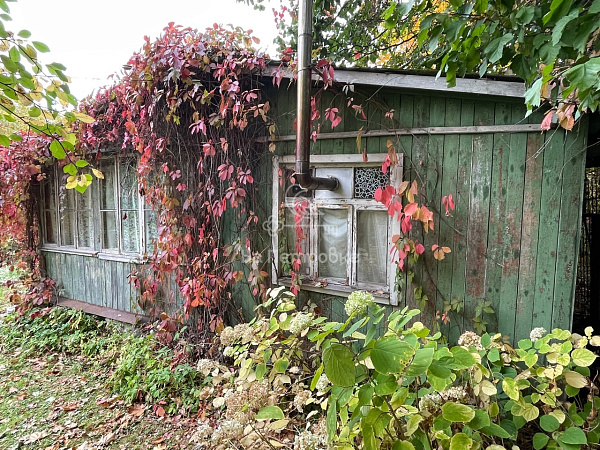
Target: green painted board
550,204
530,225
573,173
461,221
513,215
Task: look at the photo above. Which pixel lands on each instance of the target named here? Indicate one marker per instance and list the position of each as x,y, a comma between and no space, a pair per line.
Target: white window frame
383,294
97,223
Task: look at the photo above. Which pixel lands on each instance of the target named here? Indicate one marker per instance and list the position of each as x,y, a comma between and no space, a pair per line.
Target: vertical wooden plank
67,275
461,217
534,163
479,211
404,145
108,297
550,205
497,224
433,186
87,280
570,226
448,174
513,215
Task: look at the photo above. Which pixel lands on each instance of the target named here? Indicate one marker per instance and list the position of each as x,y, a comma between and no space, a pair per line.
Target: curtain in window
372,246
333,243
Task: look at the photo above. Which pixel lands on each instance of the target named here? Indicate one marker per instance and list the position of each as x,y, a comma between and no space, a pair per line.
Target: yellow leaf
98,174
71,182
84,117
575,379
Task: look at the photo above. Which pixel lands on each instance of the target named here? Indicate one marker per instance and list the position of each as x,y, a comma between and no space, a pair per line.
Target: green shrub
404,389
146,371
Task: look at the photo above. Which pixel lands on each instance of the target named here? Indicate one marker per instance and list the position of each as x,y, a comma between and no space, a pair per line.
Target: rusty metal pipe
303,175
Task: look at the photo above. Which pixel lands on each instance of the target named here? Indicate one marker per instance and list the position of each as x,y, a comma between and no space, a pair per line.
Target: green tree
552,45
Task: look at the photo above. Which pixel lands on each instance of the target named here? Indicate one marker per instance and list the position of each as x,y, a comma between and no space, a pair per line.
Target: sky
94,39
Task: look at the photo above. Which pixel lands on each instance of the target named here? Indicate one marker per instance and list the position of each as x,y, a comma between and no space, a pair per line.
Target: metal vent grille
367,180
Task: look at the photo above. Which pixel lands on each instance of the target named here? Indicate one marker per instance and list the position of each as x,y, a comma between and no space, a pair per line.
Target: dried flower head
470,339
300,322
309,441
537,333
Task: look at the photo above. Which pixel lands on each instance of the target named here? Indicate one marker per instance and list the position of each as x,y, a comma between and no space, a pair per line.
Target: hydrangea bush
384,381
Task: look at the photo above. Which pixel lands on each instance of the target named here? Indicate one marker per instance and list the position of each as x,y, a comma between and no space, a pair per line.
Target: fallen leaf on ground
137,410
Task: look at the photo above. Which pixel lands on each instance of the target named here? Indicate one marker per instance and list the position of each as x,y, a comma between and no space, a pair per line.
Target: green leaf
583,357
481,419
390,354
420,362
269,412
574,436
4,141
456,412
595,8
549,423
40,46
460,441
70,169
25,34
560,26
280,365
510,388
495,48
57,151
540,440
403,445
533,94
462,359
331,419
495,430
575,379
339,365
82,163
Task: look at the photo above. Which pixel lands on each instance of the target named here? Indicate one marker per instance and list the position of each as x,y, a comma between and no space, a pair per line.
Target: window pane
67,228
51,232
110,238
288,250
150,228
107,187
129,186
84,201
333,243
372,246
68,199
49,194
130,229
85,234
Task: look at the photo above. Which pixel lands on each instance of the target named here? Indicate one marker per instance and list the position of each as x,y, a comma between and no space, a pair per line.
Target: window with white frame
110,218
342,238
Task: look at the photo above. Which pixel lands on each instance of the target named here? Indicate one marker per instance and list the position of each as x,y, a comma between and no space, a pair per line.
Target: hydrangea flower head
358,302
537,333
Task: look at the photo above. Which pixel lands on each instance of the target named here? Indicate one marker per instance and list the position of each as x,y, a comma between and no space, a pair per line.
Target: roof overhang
507,87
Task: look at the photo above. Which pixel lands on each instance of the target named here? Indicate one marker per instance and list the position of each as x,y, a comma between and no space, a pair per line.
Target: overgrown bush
349,385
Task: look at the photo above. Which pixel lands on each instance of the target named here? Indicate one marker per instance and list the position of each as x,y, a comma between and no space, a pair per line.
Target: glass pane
150,229
49,194
372,246
128,185
67,234
110,238
107,187
85,232
84,201
51,232
333,243
288,250
67,199
367,180
130,231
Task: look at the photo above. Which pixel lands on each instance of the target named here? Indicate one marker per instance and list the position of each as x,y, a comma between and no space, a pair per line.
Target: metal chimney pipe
303,175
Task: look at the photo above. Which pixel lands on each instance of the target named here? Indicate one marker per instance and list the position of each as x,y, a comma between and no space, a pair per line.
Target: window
107,219
345,235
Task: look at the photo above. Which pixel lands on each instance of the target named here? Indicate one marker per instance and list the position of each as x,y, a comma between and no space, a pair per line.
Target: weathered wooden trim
337,290
422,82
338,160
103,311
132,259
487,129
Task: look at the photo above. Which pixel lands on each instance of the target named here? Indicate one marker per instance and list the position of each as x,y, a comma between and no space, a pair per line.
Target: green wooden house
514,234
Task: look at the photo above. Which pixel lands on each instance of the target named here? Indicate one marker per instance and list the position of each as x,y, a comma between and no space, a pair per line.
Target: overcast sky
93,39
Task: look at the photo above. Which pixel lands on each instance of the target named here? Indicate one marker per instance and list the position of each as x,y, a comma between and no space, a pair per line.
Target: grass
55,374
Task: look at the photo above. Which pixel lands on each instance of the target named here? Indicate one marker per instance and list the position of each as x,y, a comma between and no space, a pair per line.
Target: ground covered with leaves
55,398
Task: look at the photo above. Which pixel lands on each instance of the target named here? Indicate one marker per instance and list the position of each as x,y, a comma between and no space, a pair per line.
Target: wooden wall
514,233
